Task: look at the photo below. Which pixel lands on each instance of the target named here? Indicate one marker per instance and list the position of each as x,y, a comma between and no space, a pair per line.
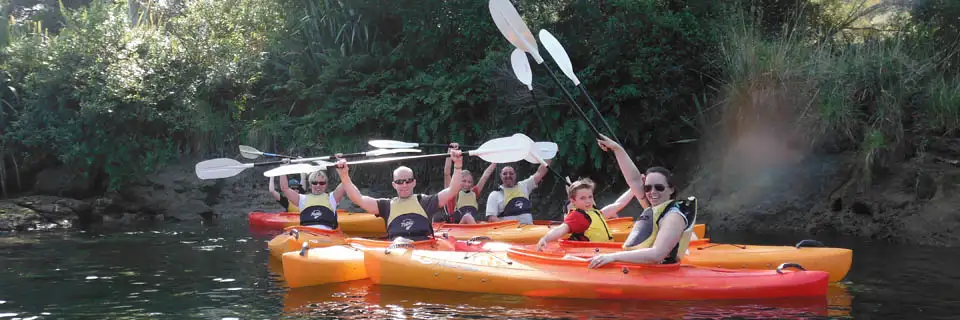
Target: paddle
560,57
252,153
499,150
225,168
535,156
391,144
511,25
521,68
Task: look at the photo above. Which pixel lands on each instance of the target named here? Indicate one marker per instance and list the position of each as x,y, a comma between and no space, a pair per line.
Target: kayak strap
723,244
809,243
478,239
397,245
789,265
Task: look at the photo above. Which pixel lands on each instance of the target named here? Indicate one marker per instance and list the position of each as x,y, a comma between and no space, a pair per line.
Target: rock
14,217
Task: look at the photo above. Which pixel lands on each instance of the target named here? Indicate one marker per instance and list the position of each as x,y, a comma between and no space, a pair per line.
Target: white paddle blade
555,49
219,168
250,152
392,144
530,156
380,152
503,150
511,25
521,67
545,149
292,169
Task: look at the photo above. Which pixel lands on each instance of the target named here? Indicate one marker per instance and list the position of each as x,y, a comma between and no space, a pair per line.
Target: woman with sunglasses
317,208
661,233
407,215
289,206
463,206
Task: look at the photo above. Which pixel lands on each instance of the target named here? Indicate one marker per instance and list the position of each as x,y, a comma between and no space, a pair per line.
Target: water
223,272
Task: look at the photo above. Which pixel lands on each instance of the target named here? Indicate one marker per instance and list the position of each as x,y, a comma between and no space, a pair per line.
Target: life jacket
291,206
649,224
597,231
515,202
318,211
466,204
408,219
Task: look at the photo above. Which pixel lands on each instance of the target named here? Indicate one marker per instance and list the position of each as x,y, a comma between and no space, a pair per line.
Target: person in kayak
662,232
282,199
512,200
584,221
463,206
318,208
407,215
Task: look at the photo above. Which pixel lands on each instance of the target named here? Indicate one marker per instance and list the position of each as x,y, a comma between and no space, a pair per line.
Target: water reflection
363,299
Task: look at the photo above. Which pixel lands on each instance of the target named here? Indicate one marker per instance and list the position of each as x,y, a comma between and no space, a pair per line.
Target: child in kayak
512,200
282,199
463,206
584,221
661,233
318,208
407,215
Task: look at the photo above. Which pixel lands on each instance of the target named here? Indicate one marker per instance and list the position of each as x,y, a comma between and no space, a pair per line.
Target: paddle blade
219,168
546,150
293,169
503,150
391,144
380,152
511,25
555,49
250,152
521,67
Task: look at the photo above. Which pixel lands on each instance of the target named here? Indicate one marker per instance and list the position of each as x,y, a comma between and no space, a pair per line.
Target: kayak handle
304,248
295,233
789,265
809,243
397,245
478,239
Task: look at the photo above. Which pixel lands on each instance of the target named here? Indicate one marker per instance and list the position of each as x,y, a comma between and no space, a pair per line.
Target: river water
189,271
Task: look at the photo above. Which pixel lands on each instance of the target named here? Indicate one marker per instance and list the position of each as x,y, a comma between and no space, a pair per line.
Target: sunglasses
404,181
321,183
659,187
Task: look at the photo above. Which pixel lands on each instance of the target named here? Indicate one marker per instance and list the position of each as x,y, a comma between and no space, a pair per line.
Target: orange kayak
702,252
529,273
340,263
293,238
363,224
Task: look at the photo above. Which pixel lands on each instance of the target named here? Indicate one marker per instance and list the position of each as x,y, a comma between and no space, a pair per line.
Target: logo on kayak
407,224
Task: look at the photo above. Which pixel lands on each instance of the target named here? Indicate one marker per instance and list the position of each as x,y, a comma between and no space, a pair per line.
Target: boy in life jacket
317,208
407,215
583,221
287,205
463,207
662,232
512,200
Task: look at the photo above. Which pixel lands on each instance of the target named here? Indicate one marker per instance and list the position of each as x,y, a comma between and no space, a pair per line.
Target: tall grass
865,96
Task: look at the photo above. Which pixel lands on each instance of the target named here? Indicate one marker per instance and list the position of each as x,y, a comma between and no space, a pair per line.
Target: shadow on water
222,271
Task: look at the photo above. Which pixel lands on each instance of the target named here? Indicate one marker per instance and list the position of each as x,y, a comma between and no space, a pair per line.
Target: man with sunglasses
318,208
407,215
512,200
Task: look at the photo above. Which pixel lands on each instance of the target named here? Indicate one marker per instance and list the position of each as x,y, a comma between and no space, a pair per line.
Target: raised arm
455,180
627,167
339,192
487,173
612,210
273,191
446,172
366,203
541,171
292,195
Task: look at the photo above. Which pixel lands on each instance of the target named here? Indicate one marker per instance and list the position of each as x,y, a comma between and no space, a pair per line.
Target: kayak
340,263
702,252
529,273
512,231
293,238
364,224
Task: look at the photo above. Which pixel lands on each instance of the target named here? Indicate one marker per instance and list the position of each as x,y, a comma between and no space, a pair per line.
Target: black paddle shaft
572,101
